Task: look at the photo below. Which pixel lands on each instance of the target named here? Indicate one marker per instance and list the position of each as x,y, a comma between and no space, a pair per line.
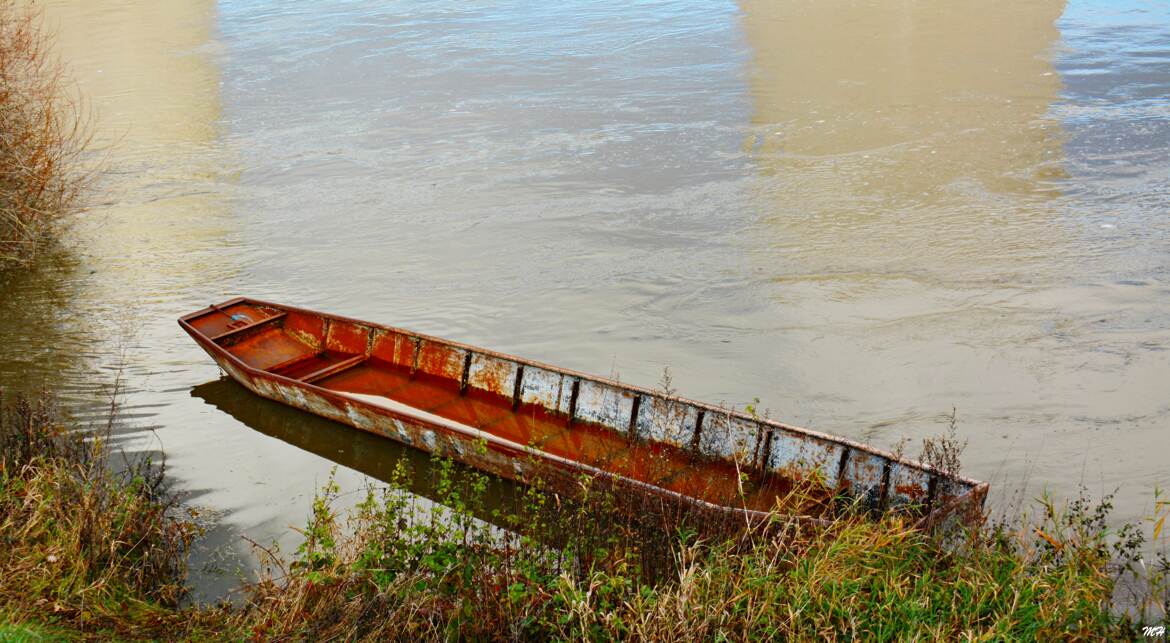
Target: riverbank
87,547
94,551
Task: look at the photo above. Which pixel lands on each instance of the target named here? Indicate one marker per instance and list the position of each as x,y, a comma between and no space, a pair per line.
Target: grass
601,566
391,571
82,546
28,633
43,133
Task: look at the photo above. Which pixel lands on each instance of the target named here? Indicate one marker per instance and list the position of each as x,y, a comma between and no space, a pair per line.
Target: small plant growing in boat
945,452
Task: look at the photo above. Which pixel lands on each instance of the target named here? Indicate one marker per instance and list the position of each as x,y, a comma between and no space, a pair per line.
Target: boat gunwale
502,444
974,489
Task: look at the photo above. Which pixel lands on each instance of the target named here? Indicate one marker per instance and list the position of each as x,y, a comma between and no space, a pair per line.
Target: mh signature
1152,631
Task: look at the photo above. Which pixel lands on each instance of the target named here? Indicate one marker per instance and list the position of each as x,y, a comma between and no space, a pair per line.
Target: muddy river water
863,213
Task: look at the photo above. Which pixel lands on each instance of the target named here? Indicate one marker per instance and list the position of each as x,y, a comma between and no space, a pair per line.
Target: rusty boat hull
525,420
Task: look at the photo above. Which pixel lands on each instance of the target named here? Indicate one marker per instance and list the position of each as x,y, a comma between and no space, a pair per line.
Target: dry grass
82,545
94,554
390,572
43,133
945,452
396,567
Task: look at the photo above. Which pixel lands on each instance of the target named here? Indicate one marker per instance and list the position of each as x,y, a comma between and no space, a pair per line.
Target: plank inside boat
412,387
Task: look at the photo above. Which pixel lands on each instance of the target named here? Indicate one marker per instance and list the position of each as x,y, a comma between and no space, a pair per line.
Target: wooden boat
522,420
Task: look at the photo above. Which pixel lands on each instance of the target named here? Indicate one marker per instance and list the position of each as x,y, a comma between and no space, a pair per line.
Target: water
865,214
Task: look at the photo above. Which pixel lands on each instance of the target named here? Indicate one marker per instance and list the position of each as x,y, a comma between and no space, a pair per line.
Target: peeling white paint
541,387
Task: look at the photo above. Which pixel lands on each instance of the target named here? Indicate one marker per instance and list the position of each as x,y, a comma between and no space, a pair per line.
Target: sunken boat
528,421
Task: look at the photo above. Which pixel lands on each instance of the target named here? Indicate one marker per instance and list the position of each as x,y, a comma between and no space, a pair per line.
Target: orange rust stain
309,329
493,376
913,491
435,388
268,348
305,367
346,337
393,348
440,360
217,322
662,465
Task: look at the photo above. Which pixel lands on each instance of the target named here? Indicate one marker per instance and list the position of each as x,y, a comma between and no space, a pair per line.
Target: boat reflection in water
364,452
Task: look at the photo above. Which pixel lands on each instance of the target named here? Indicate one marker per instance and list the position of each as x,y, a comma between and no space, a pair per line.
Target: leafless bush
944,452
43,132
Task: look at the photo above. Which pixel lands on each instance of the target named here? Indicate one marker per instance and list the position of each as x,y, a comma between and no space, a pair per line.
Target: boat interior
696,450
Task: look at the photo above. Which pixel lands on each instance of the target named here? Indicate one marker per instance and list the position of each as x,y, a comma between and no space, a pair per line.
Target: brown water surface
863,213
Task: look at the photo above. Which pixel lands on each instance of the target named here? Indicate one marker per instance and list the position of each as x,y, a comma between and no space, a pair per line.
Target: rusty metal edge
973,486
968,507
250,327
471,434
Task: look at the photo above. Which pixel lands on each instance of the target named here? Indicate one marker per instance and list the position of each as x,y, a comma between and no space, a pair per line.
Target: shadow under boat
364,452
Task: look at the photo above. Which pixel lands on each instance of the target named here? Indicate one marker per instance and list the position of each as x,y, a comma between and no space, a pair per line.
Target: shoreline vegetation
44,131
94,544
94,547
